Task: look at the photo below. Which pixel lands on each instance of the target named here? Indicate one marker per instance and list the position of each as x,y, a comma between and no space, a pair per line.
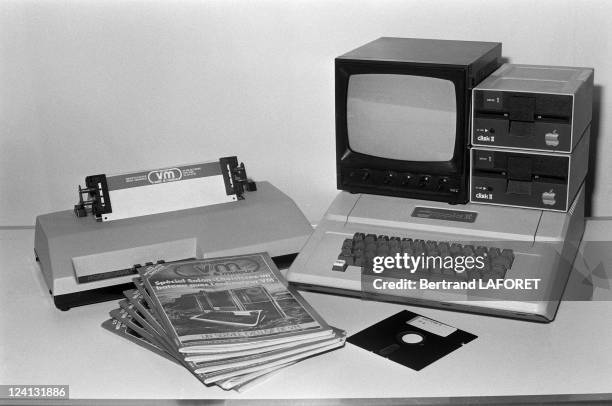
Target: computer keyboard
361,250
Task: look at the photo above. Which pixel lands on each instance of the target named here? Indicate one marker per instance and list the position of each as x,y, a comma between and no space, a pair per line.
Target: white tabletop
42,345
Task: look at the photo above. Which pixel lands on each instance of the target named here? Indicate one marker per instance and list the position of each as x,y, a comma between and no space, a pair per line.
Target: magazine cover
128,320
215,377
124,325
247,381
244,362
137,318
135,303
229,300
132,331
217,359
121,329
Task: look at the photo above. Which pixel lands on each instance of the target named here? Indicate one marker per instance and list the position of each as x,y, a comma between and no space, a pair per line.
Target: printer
162,215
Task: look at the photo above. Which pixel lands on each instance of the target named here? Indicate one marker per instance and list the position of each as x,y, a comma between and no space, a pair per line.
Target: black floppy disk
410,339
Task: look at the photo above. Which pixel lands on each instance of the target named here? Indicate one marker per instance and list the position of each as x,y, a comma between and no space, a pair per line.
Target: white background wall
92,87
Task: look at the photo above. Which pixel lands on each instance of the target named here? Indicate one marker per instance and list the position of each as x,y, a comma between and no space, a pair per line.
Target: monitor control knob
424,180
389,177
406,179
442,184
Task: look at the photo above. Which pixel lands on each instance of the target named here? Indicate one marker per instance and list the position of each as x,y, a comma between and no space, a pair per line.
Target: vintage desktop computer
405,166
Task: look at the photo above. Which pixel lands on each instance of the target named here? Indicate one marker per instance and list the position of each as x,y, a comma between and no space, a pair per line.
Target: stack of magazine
230,321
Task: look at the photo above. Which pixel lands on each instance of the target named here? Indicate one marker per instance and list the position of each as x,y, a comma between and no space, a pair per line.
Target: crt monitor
402,116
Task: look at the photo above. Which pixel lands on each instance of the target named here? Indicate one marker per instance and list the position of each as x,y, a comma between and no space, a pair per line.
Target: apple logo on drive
552,139
548,198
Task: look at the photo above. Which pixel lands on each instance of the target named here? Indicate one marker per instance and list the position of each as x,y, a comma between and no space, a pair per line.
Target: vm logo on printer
165,175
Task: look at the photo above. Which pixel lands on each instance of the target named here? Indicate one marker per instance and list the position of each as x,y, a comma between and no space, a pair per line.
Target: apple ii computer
409,177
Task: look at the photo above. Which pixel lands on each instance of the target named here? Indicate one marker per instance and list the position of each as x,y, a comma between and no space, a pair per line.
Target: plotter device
90,254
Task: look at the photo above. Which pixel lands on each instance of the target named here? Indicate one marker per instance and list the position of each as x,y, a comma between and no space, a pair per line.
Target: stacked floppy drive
530,136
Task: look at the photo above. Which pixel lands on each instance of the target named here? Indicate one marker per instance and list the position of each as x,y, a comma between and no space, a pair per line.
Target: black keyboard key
347,251
498,271
406,244
444,249
432,250
418,245
481,251
394,252
344,256
510,255
382,251
501,260
473,273
456,250
468,251
359,236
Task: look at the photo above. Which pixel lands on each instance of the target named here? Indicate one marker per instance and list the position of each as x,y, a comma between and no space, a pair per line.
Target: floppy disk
411,340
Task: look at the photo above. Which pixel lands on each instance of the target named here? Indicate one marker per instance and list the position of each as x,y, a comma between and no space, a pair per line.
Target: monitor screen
403,117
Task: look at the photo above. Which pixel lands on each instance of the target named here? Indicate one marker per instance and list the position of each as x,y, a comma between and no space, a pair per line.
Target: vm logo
165,175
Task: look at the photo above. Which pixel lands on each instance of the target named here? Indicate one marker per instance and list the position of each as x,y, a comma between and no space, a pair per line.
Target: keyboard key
382,251
501,260
339,265
510,255
498,271
358,237
406,245
468,251
456,250
473,273
481,251
347,251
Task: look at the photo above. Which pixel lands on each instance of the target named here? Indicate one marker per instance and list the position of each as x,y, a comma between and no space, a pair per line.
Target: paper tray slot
112,264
